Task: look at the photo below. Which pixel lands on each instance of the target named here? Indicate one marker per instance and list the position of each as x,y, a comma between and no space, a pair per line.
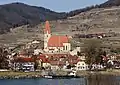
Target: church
55,43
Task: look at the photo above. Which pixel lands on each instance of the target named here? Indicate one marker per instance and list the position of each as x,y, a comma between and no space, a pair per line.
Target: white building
97,66
74,52
81,65
55,43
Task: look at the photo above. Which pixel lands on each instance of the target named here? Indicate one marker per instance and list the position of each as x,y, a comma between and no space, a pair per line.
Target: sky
57,5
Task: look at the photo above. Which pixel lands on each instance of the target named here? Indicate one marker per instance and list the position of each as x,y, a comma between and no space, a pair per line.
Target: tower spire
47,27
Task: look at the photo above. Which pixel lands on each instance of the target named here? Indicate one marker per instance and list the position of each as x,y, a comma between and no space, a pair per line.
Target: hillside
96,20
17,14
99,20
109,3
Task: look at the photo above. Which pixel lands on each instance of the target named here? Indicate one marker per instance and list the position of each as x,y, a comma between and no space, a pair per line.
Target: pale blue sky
58,5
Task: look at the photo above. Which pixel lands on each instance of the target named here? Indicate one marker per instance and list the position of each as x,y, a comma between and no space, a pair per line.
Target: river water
91,80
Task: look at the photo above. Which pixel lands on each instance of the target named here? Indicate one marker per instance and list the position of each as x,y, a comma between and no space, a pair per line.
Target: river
91,80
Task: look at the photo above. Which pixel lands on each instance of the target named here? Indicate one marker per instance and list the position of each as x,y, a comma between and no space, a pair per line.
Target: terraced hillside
96,20
100,20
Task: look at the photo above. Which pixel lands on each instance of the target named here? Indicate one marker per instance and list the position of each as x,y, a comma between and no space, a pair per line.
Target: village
56,55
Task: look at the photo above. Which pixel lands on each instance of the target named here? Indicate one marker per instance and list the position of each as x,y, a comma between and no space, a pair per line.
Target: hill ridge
17,14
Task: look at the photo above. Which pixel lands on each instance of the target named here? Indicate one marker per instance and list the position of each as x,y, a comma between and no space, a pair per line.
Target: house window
66,47
59,49
81,67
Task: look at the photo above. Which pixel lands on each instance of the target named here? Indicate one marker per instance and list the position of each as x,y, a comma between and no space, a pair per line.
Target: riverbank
19,75
25,75
107,72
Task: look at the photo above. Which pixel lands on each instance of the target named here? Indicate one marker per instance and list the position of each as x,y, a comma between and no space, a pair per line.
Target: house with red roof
43,61
58,61
28,63
23,64
55,43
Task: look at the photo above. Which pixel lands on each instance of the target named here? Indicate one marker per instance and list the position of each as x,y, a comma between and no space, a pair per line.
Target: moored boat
48,77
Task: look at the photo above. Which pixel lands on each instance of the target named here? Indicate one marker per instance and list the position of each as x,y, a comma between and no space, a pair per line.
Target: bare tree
93,52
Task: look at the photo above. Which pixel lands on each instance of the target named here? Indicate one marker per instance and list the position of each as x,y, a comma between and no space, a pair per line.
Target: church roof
57,41
47,27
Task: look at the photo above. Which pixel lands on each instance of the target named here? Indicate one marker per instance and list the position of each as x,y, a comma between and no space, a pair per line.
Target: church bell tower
47,35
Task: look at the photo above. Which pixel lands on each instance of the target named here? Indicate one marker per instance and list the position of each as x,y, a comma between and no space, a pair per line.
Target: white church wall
55,49
67,47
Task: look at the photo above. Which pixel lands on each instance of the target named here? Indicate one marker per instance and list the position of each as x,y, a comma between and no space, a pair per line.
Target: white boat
48,77
72,73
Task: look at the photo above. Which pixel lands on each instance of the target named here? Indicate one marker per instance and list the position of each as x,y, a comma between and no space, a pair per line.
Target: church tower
47,35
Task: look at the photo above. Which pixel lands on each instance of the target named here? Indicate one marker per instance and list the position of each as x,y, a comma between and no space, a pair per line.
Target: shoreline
35,75
19,75
102,73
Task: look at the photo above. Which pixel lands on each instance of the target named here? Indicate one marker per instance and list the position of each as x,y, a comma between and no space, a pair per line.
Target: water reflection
103,80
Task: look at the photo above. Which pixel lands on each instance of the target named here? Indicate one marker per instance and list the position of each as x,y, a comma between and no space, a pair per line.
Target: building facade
81,65
55,43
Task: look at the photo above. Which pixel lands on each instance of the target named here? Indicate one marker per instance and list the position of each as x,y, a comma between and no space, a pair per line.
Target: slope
17,14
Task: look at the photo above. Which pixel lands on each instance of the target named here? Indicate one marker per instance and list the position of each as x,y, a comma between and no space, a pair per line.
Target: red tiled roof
47,27
43,58
72,62
61,56
57,55
22,59
58,63
55,59
31,59
57,41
